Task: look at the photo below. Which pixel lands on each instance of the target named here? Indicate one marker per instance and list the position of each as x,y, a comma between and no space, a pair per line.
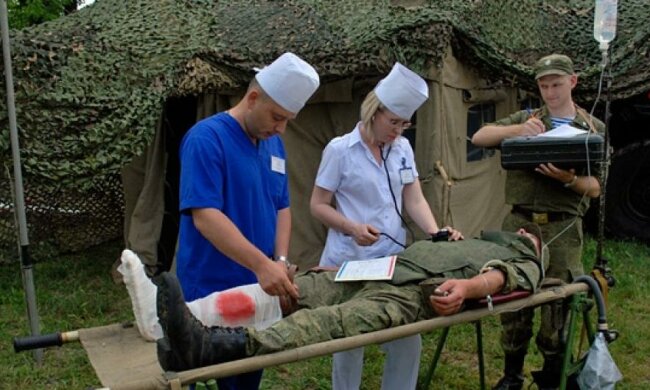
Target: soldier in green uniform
474,268
554,198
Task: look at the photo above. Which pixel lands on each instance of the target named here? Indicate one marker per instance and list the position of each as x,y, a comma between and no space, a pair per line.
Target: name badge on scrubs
278,165
406,173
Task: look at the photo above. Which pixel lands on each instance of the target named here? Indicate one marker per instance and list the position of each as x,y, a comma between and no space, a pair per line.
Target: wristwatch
282,258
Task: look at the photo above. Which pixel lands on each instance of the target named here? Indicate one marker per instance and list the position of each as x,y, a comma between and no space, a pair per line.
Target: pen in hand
535,124
530,113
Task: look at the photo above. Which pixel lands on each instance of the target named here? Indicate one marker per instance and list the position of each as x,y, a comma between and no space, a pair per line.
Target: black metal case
573,152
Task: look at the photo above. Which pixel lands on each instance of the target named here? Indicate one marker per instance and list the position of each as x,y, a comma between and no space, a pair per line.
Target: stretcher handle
42,341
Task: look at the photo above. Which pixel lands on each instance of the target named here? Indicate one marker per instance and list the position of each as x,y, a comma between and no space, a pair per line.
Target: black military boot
513,377
549,377
187,343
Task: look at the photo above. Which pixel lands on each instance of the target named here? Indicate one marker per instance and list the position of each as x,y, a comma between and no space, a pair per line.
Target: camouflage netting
503,38
90,86
63,219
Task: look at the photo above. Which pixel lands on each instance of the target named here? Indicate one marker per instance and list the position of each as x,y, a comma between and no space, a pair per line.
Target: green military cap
558,64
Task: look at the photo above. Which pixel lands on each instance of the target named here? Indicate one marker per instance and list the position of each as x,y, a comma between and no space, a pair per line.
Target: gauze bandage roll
240,306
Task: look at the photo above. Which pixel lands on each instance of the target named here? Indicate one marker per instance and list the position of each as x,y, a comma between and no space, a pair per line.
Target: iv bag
605,21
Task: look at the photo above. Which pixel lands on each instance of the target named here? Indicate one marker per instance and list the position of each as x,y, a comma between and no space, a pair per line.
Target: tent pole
19,202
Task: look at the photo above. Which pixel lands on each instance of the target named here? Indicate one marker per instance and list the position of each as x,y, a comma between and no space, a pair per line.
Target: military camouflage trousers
330,310
565,252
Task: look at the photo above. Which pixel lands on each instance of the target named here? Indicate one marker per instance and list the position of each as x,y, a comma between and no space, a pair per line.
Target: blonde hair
369,108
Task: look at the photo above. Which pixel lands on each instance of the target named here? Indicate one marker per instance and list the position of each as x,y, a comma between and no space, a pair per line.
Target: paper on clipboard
372,269
563,131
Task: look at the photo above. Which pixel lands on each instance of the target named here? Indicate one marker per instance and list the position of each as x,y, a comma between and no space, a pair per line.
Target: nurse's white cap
402,91
289,81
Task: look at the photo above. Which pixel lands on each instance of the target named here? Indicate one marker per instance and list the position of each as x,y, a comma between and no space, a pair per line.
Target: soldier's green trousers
340,310
565,253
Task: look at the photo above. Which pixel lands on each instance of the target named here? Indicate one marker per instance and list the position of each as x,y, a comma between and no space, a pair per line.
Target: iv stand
601,268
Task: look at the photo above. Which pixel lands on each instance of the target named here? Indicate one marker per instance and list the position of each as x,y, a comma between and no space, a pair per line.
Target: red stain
235,307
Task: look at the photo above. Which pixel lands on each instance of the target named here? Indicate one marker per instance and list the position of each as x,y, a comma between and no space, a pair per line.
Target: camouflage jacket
508,252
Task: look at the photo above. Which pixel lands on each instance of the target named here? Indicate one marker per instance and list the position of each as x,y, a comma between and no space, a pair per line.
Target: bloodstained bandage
235,306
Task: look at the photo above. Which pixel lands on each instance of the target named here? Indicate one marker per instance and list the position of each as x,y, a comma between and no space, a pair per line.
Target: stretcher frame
572,364
175,380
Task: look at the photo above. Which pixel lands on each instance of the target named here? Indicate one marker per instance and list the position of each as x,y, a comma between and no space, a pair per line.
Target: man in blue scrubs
234,197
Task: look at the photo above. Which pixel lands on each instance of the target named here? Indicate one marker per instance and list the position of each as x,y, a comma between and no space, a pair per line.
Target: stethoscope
392,193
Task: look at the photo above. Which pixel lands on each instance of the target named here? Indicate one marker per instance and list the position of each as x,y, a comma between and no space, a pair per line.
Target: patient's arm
454,292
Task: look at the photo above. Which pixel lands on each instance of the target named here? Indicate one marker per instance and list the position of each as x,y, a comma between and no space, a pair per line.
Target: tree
23,13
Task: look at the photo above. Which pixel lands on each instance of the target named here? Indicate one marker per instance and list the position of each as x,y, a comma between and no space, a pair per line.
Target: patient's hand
452,296
288,304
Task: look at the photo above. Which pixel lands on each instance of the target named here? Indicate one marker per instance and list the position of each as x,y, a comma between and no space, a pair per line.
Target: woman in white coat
371,172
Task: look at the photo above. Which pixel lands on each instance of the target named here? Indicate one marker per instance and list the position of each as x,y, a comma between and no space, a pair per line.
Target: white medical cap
289,81
402,91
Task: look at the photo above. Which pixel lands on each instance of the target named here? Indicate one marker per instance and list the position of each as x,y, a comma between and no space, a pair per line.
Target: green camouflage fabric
91,86
536,192
556,64
464,259
332,310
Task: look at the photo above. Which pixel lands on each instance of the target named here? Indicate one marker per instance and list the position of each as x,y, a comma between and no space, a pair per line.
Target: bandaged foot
187,343
240,306
143,295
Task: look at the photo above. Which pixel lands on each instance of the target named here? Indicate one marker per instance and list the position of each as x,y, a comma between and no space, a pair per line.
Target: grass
75,291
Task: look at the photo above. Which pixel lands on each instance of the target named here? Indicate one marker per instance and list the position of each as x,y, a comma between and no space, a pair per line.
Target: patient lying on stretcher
474,268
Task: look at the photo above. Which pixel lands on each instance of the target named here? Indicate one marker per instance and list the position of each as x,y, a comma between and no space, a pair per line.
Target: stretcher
123,360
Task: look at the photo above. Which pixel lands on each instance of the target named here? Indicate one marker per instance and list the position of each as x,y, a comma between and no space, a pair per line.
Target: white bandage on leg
245,305
239,306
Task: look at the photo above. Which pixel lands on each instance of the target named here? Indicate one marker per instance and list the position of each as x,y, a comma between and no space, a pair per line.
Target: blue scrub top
221,168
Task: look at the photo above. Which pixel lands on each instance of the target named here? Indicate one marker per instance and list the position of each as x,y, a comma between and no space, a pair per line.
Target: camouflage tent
94,93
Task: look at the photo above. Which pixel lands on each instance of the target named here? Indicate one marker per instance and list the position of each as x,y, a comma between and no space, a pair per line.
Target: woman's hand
454,234
364,234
